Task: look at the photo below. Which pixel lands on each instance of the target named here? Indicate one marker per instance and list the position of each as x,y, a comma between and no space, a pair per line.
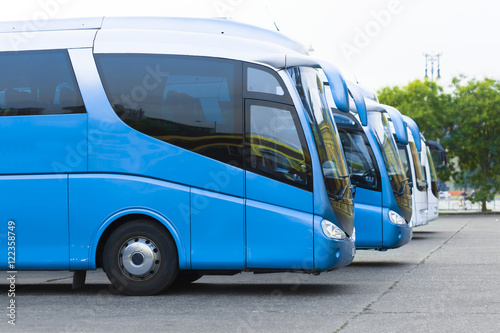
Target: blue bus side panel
330,253
39,207
117,148
368,218
279,224
395,235
217,231
43,144
96,198
267,190
278,237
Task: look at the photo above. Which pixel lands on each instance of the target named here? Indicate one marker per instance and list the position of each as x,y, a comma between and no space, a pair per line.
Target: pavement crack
391,287
58,279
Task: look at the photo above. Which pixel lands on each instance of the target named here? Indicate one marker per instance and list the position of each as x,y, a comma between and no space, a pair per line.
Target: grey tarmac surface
447,279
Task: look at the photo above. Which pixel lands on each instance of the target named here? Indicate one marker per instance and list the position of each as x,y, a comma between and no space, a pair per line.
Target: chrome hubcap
139,258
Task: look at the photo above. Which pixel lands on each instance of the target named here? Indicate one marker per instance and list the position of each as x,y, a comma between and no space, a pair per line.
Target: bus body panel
185,43
432,199
432,206
138,154
278,226
43,144
217,231
395,235
46,40
38,206
368,218
330,253
95,198
419,197
277,193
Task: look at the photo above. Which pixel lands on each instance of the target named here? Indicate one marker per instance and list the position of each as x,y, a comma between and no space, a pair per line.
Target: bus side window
277,146
32,81
192,102
262,83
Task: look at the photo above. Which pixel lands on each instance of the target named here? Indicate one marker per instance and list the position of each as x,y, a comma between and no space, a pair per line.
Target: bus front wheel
140,258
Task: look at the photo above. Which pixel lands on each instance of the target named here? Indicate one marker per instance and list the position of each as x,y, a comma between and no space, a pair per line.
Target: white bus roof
191,36
214,26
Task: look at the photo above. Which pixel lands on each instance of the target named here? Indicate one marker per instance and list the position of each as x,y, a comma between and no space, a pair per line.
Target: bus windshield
379,123
403,154
358,153
434,186
419,172
311,91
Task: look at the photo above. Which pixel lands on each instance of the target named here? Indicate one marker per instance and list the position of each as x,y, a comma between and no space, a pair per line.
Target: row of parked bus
165,149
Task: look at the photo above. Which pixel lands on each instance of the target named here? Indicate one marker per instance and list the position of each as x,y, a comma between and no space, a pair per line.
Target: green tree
425,102
475,136
428,105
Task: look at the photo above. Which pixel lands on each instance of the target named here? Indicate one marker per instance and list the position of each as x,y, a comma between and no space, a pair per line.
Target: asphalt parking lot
447,279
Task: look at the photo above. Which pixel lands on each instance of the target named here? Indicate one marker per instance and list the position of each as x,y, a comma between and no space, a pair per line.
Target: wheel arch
118,219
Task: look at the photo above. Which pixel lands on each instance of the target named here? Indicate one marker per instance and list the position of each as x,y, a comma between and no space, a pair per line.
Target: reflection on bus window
360,159
277,148
392,160
186,101
36,83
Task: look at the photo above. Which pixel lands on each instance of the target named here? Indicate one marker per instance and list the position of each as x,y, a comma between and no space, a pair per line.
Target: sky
375,42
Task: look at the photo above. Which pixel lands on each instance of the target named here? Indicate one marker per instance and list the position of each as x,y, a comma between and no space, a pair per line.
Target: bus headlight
396,218
332,231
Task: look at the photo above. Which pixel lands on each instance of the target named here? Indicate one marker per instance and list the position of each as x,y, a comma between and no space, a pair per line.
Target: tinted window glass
191,102
277,146
403,154
379,125
262,81
310,89
434,180
38,83
419,171
360,159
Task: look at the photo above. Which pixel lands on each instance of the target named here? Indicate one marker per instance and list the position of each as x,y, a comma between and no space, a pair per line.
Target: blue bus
383,199
163,149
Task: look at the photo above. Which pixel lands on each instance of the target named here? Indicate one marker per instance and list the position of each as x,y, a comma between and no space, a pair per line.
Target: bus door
279,198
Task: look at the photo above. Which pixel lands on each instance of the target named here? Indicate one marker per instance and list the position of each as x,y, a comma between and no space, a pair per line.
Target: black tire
140,258
186,277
